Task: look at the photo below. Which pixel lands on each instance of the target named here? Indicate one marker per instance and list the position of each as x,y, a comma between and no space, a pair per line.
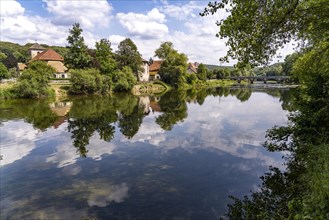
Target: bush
33,83
192,78
7,93
89,81
124,80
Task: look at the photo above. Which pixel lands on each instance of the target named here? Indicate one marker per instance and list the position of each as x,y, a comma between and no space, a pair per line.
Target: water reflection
122,156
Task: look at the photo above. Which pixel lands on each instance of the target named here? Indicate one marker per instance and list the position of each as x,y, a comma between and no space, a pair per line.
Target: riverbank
61,88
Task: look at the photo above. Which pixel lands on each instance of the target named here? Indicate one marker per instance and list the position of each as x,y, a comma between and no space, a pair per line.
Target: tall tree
77,57
105,58
128,55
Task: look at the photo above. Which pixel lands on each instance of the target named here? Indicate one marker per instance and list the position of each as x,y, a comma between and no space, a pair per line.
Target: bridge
251,79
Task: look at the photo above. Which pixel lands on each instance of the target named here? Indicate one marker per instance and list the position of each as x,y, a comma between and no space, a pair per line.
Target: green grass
6,85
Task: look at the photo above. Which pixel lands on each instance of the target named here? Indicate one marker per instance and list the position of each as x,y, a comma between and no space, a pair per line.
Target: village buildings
51,57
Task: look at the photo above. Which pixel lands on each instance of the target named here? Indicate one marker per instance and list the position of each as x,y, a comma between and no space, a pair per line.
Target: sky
147,22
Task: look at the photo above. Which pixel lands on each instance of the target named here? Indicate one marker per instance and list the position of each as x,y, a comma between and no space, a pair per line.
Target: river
178,156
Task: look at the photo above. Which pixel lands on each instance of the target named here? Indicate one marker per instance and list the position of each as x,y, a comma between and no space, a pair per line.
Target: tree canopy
174,66
257,29
105,57
77,57
128,55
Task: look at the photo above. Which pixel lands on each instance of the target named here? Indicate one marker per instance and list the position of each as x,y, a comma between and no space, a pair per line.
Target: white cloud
10,8
89,13
66,154
18,27
17,141
101,194
182,12
143,26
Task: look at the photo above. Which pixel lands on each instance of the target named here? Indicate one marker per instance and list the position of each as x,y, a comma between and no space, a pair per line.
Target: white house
145,75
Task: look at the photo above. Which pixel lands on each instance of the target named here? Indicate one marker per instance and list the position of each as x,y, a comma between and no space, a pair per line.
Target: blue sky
147,23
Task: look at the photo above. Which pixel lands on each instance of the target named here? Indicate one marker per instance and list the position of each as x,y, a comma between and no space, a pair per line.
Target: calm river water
178,156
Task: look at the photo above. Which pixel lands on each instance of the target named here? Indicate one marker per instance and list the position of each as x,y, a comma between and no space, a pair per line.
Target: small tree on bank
33,83
174,66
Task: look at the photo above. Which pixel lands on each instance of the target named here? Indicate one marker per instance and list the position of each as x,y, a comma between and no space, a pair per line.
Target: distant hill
20,52
212,67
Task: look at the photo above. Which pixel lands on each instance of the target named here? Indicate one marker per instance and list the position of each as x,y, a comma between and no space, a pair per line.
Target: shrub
89,81
124,80
33,83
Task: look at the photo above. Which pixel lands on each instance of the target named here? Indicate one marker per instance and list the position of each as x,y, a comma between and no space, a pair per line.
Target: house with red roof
54,60
154,69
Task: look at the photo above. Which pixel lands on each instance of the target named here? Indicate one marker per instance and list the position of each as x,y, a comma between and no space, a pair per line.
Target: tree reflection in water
102,114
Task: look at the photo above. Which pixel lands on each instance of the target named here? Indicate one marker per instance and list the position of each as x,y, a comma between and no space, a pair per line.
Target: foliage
173,69
4,73
8,59
289,62
18,51
272,70
33,83
128,56
88,81
105,58
77,57
202,72
123,80
255,30
191,78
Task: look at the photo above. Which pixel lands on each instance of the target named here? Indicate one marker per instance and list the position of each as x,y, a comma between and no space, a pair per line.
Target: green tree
77,57
105,57
3,69
256,29
33,83
4,74
202,72
128,56
173,69
289,62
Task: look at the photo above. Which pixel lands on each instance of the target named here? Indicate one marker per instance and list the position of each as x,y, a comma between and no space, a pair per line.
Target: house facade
144,76
35,49
192,67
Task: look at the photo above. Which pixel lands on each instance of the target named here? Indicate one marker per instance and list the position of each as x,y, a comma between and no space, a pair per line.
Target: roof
144,61
47,55
21,66
36,46
58,66
155,66
155,106
192,67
